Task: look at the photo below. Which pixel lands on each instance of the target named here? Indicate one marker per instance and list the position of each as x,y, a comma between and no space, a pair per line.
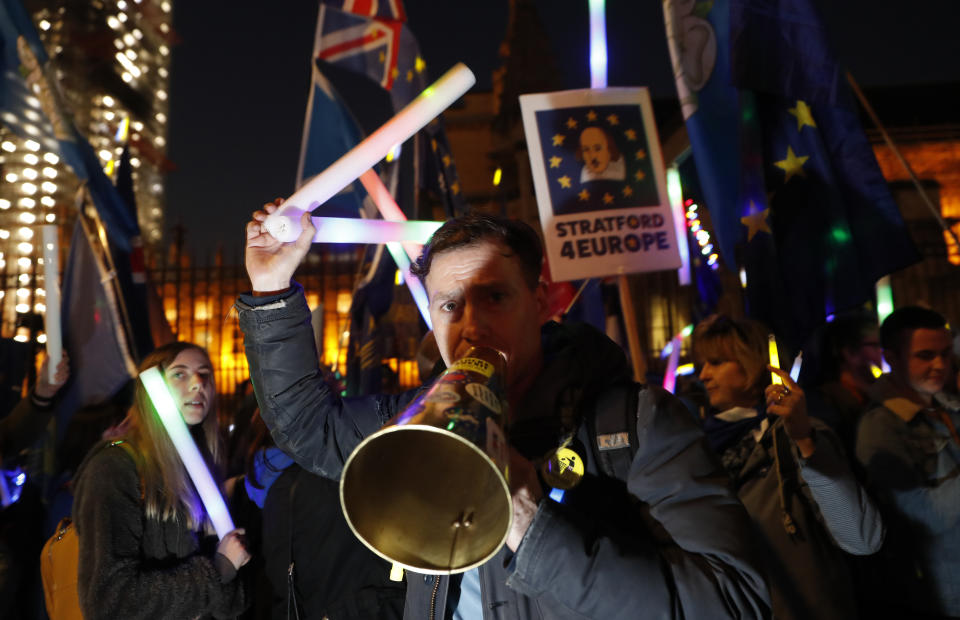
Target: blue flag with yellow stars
596,158
791,182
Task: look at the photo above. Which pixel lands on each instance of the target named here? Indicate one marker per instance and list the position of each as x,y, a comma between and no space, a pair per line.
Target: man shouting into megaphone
647,525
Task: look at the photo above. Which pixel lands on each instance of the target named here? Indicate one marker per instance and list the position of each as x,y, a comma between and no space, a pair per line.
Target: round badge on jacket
563,470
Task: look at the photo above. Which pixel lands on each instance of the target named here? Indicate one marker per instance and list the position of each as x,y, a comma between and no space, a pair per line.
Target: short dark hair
905,320
847,332
475,228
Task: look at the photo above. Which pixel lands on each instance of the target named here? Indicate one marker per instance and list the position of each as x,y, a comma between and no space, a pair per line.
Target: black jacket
335,575
131,566
680,551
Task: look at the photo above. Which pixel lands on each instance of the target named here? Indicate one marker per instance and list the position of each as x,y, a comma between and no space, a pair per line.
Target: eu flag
790,180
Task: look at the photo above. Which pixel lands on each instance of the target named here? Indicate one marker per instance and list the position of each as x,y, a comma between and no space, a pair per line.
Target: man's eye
449,306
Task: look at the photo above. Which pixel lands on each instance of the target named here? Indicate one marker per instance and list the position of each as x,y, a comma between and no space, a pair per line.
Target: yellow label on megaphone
474,364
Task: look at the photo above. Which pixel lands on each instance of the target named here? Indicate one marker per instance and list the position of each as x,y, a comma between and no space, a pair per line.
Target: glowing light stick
388,207
413,282
598,45
284,223
5,497
685,369
774,360
355,230
670,376
675,193
189,454
674,346
884,298
51,279
402,256
795,369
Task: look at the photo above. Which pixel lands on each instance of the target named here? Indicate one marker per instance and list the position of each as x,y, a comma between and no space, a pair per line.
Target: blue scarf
268,465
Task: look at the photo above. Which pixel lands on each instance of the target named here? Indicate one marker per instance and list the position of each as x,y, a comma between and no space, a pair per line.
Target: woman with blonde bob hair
146,549
789,471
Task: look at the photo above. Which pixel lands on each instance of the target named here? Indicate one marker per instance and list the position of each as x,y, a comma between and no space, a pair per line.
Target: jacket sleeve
846,510
114,580
702,566
897,480
308,421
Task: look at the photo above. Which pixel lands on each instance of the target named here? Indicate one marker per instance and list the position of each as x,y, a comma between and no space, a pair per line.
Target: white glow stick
51,283
598,44
176,428
356,230
284,223
795,369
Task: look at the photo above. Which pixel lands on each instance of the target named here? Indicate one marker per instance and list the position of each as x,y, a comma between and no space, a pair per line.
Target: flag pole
903,162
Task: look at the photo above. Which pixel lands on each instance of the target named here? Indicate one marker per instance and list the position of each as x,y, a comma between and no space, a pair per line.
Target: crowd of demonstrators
685,549
762,505
789,470
908,444
146,548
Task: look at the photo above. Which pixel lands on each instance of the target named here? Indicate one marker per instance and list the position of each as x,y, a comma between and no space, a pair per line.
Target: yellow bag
58,568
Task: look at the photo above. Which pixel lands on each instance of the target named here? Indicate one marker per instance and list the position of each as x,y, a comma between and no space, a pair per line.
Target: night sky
240,78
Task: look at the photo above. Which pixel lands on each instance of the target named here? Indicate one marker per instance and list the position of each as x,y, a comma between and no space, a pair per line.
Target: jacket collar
885,392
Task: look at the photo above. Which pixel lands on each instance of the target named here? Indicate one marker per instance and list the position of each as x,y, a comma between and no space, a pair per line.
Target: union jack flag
391,9
367,45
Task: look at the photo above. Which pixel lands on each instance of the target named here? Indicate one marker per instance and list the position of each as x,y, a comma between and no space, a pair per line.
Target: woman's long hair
167,489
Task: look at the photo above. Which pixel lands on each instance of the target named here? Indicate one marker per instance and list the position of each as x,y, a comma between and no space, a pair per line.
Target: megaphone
429,490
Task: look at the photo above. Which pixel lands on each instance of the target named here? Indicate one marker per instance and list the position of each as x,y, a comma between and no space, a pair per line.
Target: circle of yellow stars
613,120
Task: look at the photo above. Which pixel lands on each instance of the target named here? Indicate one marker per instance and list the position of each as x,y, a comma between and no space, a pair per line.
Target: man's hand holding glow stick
284,224
176,428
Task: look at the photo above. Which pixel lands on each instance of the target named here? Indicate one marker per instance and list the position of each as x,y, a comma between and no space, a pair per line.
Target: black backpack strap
613,428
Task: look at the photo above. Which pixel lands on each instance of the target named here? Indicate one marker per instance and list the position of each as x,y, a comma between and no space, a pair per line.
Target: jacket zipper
433,597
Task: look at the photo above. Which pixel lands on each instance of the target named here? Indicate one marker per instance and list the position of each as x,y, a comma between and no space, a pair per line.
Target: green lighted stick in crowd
176,428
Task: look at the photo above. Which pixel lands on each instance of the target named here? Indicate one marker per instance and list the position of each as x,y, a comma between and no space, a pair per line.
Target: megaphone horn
429,491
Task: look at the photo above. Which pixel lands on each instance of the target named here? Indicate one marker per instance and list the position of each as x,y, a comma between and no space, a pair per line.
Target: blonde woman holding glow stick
147,548
788,470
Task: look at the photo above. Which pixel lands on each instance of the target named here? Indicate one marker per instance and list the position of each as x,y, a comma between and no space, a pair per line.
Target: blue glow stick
176,428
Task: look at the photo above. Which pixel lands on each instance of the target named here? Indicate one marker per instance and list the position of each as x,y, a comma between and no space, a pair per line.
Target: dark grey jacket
670,542
131,566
